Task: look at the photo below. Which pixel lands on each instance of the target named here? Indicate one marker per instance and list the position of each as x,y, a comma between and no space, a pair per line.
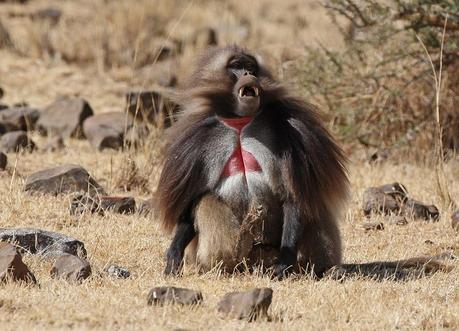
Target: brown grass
136,242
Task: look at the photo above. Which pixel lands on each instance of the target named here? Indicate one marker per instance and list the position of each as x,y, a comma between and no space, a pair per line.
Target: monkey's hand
174,262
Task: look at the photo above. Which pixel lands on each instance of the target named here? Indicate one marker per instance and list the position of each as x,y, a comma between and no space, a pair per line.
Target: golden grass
135,241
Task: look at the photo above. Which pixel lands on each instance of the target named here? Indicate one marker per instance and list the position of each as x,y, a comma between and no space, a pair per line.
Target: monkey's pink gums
241,160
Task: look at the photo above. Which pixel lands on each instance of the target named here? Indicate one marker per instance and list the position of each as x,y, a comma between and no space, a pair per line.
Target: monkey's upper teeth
251,91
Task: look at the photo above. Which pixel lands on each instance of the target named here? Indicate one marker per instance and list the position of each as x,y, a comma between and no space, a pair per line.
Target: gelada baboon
250,170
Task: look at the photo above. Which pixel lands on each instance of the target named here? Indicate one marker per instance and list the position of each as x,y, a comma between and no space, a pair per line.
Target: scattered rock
65,117
455,220
47,243
20,118
168,294
370,226
118,272
83,203
52,15
67,178
107,130
376,201
152,107
417,209
54,144
204,37
248,305
12,267
71,268
120,205
3,106
136,135
399,220
379,156
146,207
16,141
3,161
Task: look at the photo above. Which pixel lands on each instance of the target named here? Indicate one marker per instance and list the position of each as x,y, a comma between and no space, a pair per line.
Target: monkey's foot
281,271
174,263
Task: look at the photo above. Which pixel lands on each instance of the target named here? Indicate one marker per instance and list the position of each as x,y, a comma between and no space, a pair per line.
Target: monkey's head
232,82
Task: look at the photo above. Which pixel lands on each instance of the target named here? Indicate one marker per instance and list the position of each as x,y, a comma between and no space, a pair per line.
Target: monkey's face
232,82
243,70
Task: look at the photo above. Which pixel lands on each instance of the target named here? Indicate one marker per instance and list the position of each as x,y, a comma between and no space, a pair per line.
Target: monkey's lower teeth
248,92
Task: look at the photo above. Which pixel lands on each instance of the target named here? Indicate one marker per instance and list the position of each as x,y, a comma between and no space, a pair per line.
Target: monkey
250,169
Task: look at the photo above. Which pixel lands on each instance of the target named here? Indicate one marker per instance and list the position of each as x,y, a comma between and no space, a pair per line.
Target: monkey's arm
182,183
292,231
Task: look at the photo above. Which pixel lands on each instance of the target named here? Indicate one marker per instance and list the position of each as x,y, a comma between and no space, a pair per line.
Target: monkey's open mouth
248,91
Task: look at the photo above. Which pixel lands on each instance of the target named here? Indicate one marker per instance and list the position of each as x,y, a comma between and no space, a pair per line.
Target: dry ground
135,241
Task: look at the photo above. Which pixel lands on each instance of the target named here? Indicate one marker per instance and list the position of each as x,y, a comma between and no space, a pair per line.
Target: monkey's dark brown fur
250,169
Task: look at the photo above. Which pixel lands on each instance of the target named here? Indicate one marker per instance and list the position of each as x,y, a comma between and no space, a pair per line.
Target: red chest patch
240,161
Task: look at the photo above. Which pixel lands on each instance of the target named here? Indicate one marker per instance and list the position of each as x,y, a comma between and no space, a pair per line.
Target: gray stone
419,210
19,118
174,295
12,267
63,179
71,268
83,203
376,201
3,161
120,205
114,270
146,207
46,243
248,305
16,141
151,107
54,144
371,226
107,130
65,117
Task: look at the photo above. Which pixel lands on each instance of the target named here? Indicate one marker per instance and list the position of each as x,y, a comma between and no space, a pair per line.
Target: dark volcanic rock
3,161
169,294
65,117
121,205
71,268
19,118
455,220
83,203
248,305
54,144
375,225
376,201
420,210
107,130
63,179
152,107
16,141
114,270
146,207
42,242
12,267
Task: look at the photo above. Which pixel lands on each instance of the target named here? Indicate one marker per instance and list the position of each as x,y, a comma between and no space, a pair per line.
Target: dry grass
136,242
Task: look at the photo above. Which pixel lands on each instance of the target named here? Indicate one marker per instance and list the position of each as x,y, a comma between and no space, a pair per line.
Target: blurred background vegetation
362,62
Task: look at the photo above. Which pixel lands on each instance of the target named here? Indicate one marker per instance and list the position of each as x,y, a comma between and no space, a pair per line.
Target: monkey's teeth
256,90
241,91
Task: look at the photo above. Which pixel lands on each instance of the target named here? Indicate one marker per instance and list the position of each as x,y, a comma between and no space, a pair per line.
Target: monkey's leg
218,230
184,233
292,232
320,248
